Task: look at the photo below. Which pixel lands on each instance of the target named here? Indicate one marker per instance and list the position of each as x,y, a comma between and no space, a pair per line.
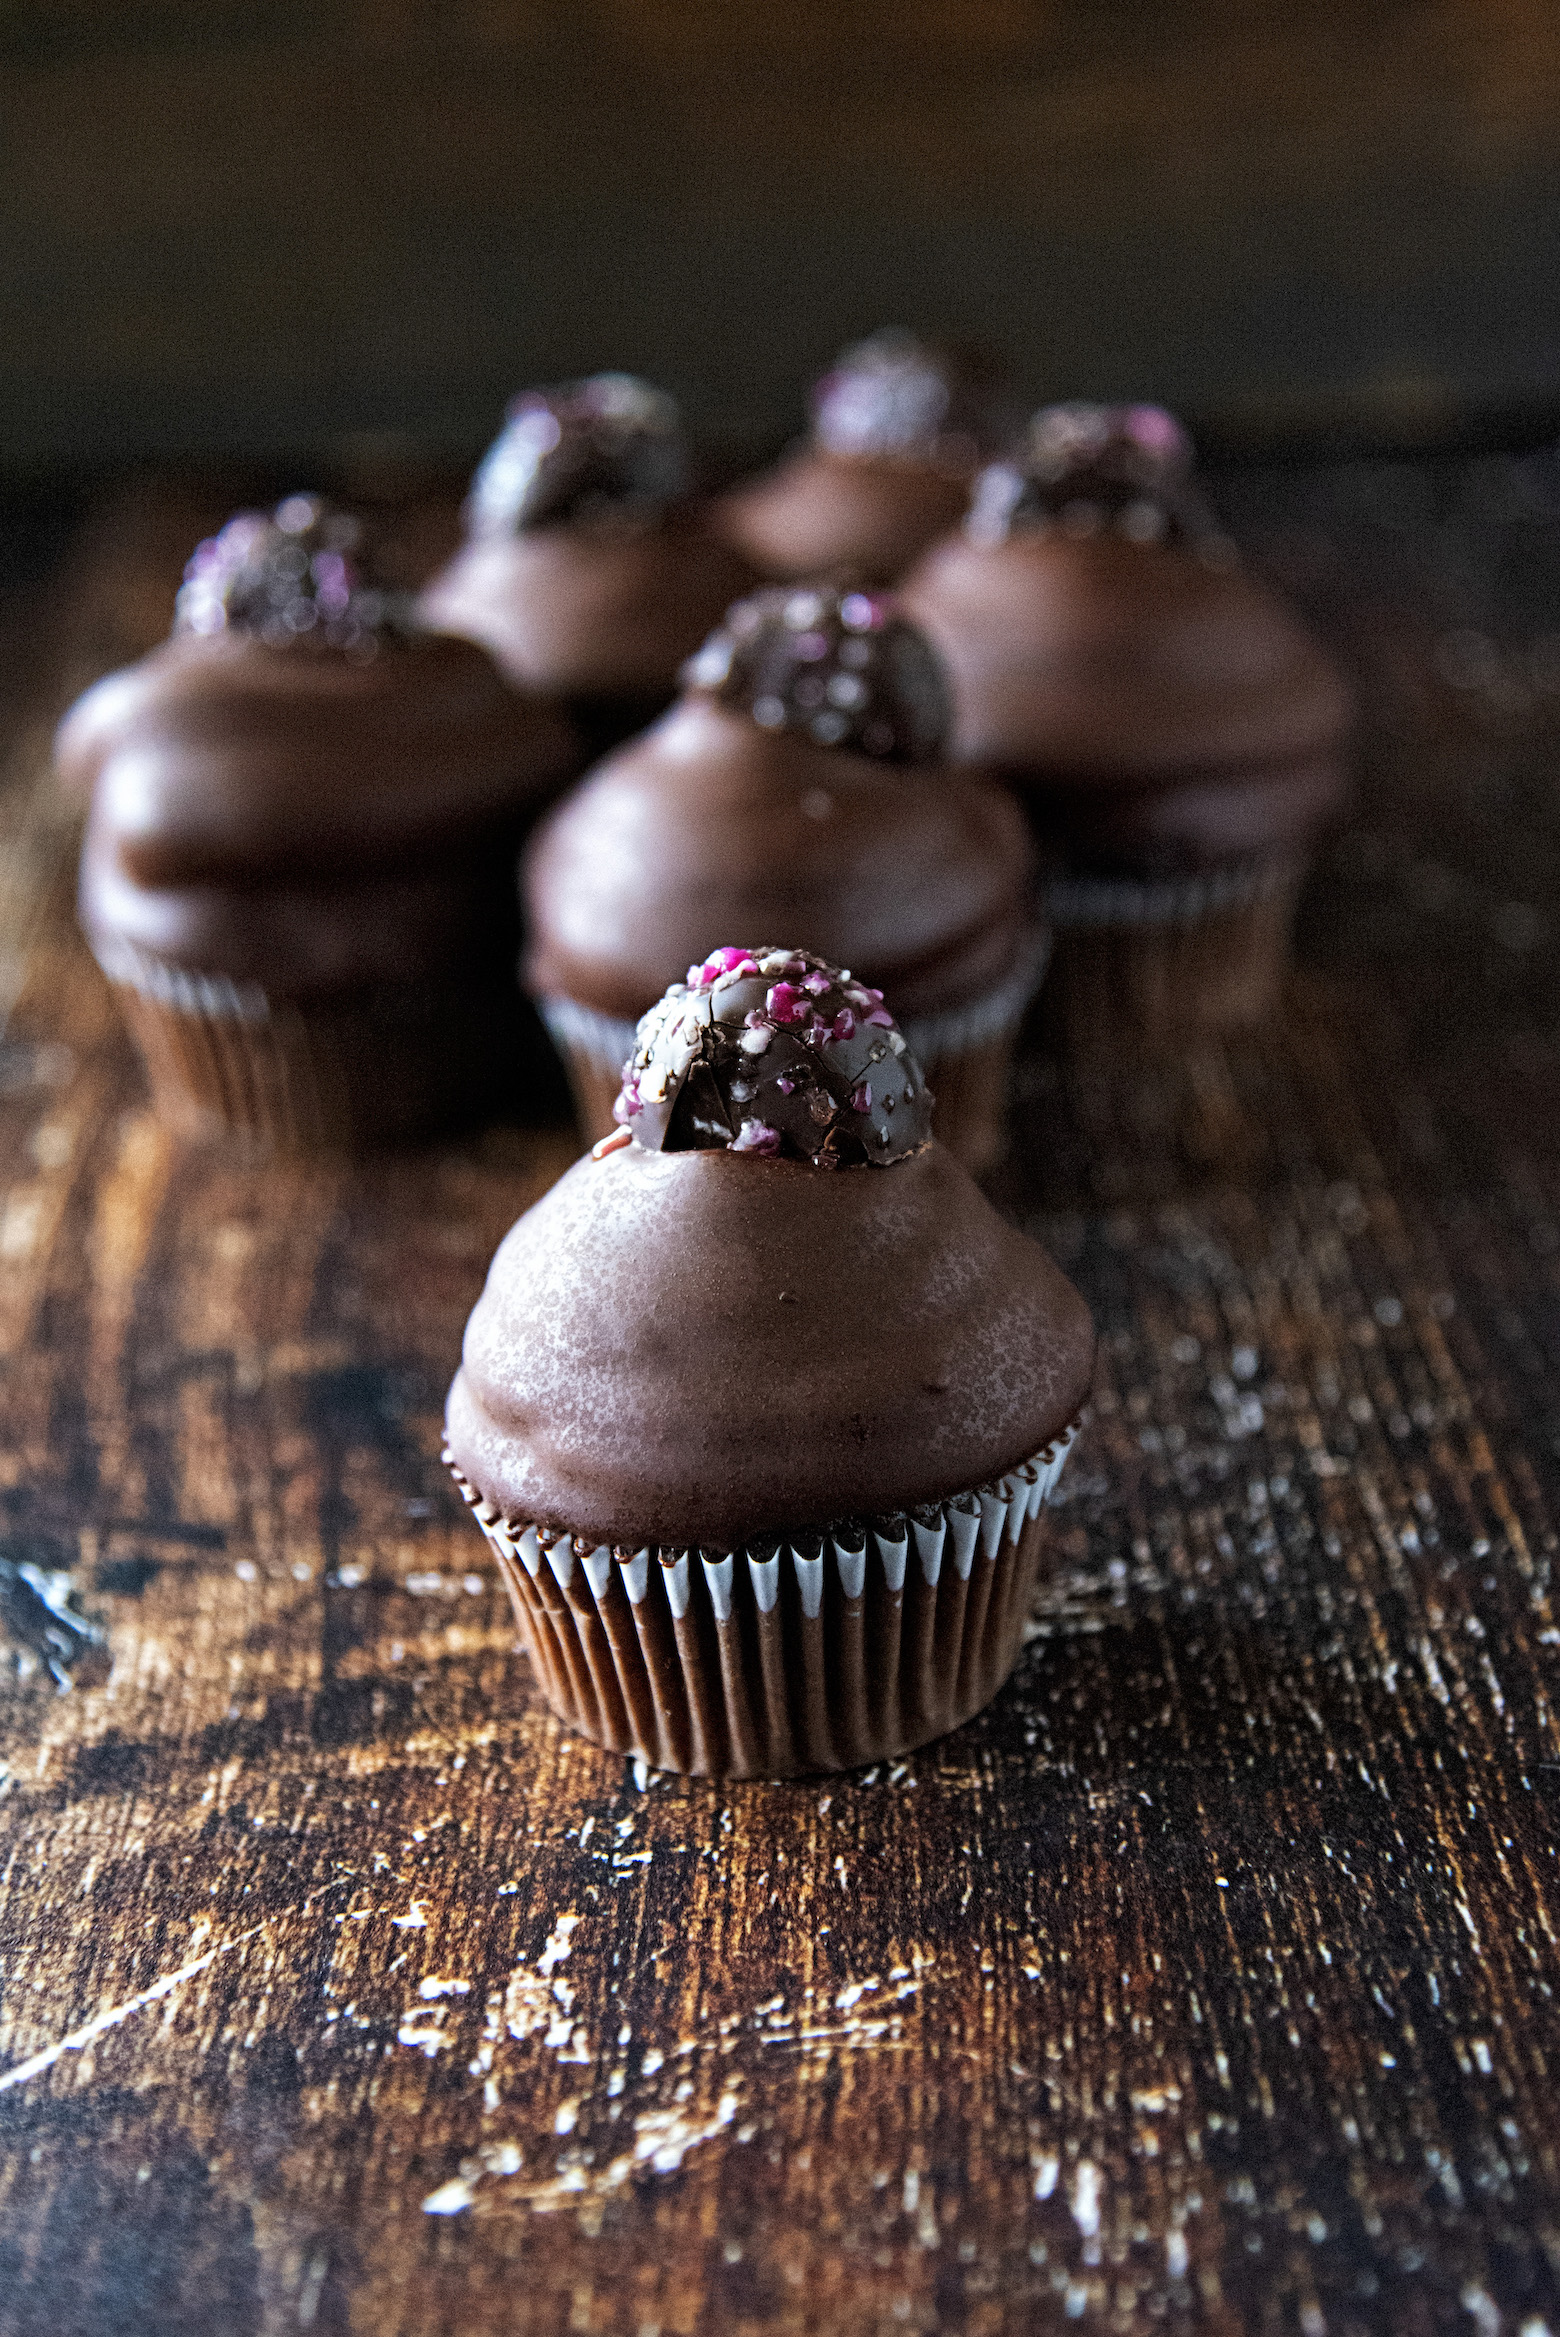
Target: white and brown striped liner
813,1653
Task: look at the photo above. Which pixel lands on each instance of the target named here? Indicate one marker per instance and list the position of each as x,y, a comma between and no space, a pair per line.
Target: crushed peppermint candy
778,1054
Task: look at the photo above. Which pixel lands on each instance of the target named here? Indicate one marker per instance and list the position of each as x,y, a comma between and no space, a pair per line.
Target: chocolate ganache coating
790,791
899,428
285,804
1111,659
775,1051
700,1348
587,571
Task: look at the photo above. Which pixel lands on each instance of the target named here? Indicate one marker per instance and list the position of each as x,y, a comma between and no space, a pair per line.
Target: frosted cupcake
797,787
761,1405
1178,738
588,570
295,873
900,427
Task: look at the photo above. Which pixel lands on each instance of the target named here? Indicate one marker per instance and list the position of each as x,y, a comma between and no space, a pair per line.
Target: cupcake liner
966,1055
797,1653
1152,963
274,1077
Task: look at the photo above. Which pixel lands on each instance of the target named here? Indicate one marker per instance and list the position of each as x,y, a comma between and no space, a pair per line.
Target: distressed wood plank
1207,1978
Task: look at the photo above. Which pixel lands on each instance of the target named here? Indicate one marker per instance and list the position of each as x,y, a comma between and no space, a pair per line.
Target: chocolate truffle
302,809
588,571
761,1402
899,429
795,788
1176,734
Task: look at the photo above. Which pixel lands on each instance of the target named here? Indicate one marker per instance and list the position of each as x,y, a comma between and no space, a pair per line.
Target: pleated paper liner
1155,996
966,1055
272,1078
813,1652
1140,966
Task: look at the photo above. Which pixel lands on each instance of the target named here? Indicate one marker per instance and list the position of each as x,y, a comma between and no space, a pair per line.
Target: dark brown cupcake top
695,1349
609,446
918,876
301,813
1098,629
900,427
777,1052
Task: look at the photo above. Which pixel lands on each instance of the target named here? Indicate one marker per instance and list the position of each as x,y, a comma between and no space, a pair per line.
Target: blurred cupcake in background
797,787
588,570
303,812
900,427
762,1402
1178,737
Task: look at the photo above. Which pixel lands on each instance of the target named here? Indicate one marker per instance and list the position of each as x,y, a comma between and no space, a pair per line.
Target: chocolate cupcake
795,789
588,570
761,1403
304,809
899,429
1177,736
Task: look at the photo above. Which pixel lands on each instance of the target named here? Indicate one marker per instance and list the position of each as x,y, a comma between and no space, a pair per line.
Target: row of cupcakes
306,806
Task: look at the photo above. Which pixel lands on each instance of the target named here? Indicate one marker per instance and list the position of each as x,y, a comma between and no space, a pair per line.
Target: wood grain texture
1205,1981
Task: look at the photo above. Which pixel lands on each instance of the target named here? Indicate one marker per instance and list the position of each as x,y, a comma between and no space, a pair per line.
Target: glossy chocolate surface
609,607
1094,666
299,816
916,876
775,1051
696,1348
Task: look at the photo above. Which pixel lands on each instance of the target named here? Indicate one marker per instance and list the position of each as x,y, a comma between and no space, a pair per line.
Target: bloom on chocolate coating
894,394
305,574
776,1052
1091,469
841,668
610,444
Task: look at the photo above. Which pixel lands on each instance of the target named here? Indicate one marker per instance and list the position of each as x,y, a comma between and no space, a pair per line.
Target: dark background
324,230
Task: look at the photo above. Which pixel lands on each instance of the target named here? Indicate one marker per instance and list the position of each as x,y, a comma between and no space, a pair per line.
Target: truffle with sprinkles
609,446
1091,470
842,668
775,1052
306,574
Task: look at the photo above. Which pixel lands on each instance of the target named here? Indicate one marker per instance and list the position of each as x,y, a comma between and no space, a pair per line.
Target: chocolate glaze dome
1104,643
290,789
588,571
899,428
794,788
699,1343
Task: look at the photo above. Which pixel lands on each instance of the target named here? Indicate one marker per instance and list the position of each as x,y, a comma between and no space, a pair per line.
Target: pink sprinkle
861,1097
861,613
786,1004
881,1016
816,984
720,961
628,1104
786,1086
756,1136
844,1025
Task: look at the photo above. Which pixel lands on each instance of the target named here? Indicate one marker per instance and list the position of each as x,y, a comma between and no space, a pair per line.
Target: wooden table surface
1207,1979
